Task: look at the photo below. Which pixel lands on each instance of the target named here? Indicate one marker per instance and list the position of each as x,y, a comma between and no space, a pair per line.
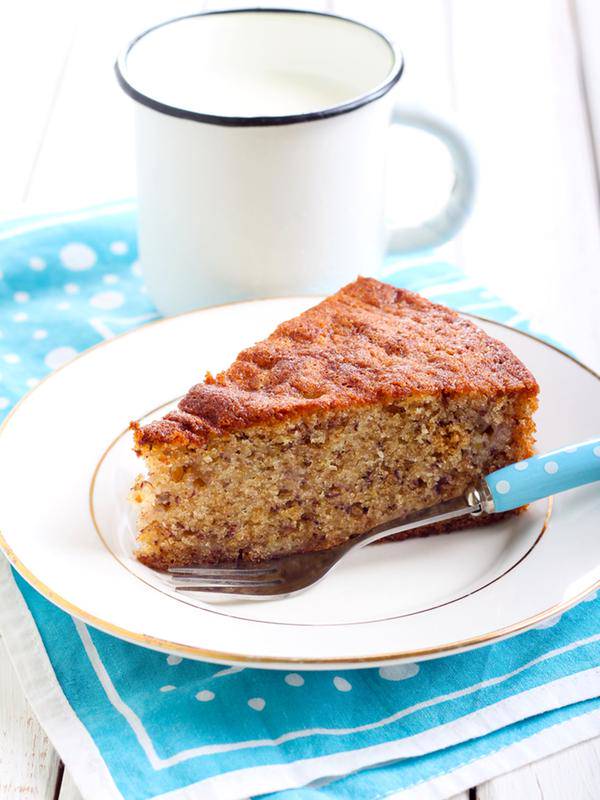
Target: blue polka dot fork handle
541,476
503,490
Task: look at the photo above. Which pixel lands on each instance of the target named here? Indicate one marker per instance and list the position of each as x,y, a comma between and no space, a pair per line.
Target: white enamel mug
261,140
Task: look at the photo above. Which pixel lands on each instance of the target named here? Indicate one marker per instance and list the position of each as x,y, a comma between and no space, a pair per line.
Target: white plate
66,466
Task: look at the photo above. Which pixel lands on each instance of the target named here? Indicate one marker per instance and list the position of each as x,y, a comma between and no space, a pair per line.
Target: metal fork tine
190,580
217,571
245,591
212,577
201,585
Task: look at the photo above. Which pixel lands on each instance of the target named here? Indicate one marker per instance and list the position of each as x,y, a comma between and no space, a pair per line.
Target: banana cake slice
372,404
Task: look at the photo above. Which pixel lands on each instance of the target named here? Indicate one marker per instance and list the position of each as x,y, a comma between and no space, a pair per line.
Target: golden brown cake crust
368,343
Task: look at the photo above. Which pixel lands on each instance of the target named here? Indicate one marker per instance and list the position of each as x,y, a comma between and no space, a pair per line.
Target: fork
505,489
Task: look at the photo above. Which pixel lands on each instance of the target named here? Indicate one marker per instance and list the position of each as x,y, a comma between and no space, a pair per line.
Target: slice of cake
372,404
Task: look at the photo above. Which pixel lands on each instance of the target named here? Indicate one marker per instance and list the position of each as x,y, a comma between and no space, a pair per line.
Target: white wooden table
524,79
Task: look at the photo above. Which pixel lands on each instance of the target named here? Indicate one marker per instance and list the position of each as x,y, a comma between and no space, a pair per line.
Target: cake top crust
370,342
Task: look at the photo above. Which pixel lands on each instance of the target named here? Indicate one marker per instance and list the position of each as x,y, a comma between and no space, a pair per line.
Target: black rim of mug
287,119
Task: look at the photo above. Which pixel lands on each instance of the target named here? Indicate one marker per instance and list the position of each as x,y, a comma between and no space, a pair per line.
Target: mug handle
447,222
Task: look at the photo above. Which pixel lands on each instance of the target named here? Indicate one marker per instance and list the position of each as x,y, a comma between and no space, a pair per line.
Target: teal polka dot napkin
64,286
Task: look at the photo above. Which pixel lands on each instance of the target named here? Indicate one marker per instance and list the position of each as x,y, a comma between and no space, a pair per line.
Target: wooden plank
68,790
420,30
312,5
28,762
87,155
586,21
573,774
35,38
534,237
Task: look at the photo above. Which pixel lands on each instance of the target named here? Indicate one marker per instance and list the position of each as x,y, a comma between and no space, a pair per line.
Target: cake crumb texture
372,404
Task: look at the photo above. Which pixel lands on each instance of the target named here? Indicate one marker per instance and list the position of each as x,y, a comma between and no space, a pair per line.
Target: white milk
259,93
